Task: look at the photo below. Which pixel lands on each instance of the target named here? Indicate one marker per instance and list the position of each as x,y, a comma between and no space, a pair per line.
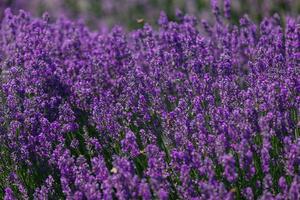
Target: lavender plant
190,110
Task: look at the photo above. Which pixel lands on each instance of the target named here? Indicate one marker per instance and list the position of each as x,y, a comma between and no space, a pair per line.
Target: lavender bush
190,110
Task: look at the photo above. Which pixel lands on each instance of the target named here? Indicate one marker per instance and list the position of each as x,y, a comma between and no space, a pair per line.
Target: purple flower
9,194
228,162
129,144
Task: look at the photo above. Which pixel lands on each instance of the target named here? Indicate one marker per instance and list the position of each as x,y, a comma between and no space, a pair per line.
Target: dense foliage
190,110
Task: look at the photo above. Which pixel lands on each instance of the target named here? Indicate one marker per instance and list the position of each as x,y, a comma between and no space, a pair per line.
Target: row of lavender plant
129,13
190,110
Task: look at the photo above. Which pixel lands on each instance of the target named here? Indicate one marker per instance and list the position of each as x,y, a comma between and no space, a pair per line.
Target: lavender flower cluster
190,110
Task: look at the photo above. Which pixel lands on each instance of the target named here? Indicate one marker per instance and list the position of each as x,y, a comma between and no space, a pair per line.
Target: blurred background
133,13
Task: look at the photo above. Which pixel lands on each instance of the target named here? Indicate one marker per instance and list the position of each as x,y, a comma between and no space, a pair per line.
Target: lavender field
146,99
